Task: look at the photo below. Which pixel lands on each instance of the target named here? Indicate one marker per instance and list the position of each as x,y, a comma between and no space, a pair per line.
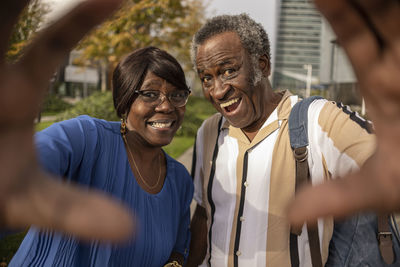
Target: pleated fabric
91,152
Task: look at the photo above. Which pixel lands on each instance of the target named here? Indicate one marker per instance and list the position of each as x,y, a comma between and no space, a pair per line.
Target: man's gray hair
251,34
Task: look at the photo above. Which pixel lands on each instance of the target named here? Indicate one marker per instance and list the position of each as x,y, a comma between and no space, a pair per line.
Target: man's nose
220,88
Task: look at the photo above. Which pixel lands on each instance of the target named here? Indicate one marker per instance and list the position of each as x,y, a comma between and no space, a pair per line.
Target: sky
262,11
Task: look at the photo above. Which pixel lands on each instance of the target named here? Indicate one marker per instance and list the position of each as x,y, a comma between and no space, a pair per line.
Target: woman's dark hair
129,74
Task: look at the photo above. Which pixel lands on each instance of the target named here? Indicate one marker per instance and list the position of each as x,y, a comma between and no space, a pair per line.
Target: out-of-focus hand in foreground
369,32
27,195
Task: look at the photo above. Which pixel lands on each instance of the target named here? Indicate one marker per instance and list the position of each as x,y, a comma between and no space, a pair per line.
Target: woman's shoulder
85,123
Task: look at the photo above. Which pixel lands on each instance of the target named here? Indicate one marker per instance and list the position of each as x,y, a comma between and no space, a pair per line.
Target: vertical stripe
239,184
194,157
211,135
281,192
282,188
241,205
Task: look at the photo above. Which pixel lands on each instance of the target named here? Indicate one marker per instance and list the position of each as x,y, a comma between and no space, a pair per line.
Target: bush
99,105
54,104
197,110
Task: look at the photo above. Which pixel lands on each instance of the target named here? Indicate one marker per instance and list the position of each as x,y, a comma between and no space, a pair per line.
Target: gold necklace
134,163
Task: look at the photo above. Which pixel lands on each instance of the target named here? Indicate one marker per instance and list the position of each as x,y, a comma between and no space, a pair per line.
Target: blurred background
306,59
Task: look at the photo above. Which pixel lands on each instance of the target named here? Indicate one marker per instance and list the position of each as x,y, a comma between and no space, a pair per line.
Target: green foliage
9,245
197,110
168,24
98,105
54,104
28,24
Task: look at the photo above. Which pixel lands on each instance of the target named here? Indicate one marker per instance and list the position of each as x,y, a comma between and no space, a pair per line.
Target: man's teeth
161,124
230,102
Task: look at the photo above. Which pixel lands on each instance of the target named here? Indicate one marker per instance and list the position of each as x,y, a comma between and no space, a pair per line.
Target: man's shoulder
211,124
212,120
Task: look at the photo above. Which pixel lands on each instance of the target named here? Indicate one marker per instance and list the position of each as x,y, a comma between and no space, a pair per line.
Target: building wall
335,66
298,43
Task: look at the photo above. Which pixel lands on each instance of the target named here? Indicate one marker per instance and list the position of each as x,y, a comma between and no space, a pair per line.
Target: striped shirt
253,182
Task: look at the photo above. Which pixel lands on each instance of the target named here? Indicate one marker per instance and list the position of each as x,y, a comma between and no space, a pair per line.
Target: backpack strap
298,125
385,239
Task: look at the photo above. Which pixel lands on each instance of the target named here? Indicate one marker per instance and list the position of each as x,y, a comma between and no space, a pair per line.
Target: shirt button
241,218
211,162
246,184
238,253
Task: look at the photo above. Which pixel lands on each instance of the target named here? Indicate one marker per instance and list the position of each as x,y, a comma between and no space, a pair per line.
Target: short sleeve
61,146
339,137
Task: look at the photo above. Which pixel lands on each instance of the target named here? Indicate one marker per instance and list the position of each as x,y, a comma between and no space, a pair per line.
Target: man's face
225,70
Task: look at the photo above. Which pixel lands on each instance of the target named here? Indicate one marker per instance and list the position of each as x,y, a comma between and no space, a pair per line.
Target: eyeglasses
177,98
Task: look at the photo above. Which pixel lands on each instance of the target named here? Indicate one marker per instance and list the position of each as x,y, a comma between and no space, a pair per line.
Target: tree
28,24
168,24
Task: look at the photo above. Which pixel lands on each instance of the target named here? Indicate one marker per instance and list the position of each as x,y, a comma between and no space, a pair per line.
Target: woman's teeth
161,124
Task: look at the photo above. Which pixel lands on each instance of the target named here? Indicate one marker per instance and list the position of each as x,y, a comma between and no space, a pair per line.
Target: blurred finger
352,32
65,208
54,43
337,198
385,17
9,13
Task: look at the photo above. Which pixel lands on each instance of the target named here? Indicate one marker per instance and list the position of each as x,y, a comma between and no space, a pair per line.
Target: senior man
245,176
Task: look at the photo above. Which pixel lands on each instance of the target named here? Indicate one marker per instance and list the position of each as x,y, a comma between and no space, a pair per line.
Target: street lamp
308,67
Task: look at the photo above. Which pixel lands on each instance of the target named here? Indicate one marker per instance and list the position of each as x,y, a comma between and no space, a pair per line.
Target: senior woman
125,160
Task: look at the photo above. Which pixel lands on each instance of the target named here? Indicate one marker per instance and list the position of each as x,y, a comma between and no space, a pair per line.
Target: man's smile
231,105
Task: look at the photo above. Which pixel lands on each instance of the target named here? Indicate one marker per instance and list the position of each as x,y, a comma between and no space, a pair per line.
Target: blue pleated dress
91,152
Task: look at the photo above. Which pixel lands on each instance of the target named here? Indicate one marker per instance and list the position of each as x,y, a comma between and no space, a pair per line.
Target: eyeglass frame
164,96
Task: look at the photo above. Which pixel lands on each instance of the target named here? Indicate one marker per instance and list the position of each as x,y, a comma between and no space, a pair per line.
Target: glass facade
298,44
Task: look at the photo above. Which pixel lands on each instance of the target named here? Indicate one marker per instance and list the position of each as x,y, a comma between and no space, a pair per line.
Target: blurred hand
27,195
369,32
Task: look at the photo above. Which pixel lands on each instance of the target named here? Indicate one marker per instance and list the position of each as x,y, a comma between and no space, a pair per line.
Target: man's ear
265,65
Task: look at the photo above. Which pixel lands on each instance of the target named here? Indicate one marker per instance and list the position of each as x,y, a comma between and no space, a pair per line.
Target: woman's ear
264,64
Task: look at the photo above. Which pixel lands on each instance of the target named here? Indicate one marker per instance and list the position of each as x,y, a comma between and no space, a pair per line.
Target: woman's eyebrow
151,83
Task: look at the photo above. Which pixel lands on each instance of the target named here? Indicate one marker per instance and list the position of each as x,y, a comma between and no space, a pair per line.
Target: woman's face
155,124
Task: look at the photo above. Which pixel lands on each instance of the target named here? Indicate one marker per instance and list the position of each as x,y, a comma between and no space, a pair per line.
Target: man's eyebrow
225,62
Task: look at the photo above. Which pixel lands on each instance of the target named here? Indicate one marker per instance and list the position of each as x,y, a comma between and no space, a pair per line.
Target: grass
179,145
43,125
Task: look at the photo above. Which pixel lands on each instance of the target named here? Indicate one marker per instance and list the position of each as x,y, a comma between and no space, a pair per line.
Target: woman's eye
150,94
178,94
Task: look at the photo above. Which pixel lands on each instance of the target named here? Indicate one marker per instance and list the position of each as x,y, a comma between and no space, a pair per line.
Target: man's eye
228,72
206,79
